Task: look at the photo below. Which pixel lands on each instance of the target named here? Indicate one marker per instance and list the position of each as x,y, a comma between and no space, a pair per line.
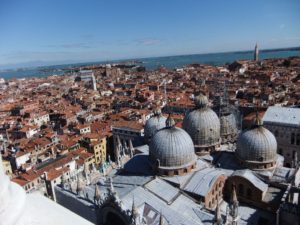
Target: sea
152,63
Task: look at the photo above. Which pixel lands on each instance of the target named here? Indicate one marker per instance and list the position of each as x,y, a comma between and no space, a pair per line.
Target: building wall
39,121
21,160
7,167
96,150
80,207
216,193
245,190
103,144
288,141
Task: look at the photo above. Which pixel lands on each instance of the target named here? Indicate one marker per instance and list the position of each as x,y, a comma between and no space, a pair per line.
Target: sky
67,31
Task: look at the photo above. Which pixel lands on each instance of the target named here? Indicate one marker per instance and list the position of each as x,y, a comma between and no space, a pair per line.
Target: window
280,151
241,189
276,133
298,139
293,138
294,154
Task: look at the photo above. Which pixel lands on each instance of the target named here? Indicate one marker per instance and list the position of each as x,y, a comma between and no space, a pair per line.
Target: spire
111,186
119,140
257,121
134,210
97,196
218,217
161,219
234,204
63,181
79,187
233,195
296,159
131,149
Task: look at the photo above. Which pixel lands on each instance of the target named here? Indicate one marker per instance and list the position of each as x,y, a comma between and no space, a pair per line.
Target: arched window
293,138
249,193
241,189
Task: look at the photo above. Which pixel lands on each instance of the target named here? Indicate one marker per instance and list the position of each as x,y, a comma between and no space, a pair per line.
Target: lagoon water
167,61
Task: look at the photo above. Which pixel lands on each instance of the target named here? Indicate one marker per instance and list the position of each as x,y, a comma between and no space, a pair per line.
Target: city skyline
61,32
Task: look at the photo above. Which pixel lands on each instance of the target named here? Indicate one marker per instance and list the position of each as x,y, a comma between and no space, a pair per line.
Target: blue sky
62,31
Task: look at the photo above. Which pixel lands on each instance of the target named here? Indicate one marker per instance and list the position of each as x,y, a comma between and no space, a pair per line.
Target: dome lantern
170,123
201,101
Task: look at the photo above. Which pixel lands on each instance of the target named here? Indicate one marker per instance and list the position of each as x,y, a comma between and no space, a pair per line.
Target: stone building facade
284,123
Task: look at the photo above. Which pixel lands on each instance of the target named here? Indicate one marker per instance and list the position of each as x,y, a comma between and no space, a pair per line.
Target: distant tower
256,52
94,83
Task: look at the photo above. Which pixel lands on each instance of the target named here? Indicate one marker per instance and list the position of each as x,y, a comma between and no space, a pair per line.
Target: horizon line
136,58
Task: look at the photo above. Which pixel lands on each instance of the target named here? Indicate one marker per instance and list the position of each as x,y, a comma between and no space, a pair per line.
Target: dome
154,124
172,150
257,147
203,125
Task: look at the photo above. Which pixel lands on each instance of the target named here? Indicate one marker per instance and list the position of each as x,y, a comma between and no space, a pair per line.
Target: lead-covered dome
172,150
155,123
257,147
203,125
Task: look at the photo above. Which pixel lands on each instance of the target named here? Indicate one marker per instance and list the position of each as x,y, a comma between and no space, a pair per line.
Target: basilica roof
252,178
